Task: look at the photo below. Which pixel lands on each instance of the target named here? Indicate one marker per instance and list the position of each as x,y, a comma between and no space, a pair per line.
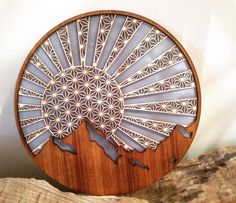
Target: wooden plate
107,102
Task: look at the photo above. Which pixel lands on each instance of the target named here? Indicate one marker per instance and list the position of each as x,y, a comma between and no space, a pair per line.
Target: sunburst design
136,88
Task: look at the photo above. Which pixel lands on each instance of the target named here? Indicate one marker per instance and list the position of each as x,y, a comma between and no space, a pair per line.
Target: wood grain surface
91,171
210,177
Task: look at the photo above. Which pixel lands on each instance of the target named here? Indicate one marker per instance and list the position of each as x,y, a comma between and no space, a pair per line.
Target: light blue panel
129,141
46,60
29,114
92,38
73,33
32,86
33,127
29,100
39,140
38,73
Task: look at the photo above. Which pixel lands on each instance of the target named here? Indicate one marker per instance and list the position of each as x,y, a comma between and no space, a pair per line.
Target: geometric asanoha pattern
82,93
71,78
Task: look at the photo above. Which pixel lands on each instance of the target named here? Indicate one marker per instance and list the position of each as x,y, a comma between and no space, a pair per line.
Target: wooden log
209,178
32,191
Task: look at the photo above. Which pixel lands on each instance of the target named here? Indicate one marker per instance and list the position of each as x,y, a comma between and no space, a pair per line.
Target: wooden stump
209,178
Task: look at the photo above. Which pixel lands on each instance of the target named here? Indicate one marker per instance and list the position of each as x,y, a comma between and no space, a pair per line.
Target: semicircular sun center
79,93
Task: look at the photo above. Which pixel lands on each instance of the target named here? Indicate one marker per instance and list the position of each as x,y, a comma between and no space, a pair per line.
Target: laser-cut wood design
125,77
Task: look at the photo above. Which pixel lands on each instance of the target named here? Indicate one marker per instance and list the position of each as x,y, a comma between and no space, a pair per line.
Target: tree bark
209,178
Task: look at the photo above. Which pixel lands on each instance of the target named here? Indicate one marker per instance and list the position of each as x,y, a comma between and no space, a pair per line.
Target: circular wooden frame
101,176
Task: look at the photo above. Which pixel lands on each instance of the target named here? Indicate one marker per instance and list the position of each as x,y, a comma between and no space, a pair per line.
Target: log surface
209,178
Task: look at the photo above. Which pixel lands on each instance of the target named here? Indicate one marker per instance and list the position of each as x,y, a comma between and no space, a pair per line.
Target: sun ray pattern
54,99
127,31
106,22
63,34
166,60
153,38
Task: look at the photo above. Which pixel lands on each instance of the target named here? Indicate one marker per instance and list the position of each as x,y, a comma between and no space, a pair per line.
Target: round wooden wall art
107,102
